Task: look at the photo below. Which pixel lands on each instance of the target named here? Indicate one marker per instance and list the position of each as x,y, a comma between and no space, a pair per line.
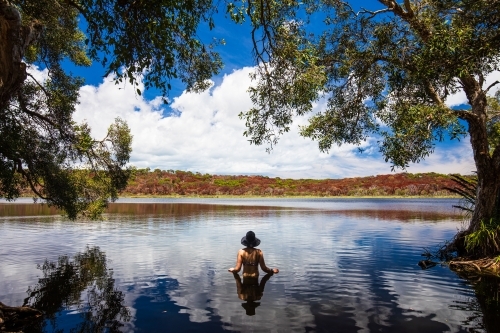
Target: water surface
160,265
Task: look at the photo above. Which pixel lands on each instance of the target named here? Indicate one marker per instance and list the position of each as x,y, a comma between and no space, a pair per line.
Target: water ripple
349,265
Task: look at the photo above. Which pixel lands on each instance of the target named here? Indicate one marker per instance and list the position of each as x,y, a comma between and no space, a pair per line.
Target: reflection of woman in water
251,258
250,291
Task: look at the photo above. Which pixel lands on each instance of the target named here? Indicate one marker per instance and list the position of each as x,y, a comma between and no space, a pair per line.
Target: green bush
229,182
485,240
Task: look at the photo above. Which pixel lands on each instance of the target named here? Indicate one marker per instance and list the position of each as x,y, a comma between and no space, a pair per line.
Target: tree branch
481,79
39,84
372,13
86,15
82,10
496,156
22,106
491,86
28,178
466,115
433,94
408,8
409,17
24,310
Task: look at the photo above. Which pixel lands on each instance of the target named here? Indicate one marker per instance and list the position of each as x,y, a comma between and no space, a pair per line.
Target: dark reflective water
160,265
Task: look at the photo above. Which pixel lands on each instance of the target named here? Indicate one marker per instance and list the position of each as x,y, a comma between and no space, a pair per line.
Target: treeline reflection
61,289
189,209
484,309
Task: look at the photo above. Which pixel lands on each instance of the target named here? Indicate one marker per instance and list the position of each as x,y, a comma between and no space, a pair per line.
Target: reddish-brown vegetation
158,182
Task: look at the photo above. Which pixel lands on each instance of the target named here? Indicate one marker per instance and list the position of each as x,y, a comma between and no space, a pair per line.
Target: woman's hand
275,270
232,270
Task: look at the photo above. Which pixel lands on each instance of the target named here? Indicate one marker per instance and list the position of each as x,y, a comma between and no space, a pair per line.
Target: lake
160,265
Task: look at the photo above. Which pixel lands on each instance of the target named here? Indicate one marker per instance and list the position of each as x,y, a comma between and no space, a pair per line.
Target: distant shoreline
4,201
283,197
144,183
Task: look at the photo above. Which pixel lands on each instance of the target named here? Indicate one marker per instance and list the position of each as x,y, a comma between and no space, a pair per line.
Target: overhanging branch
409,17
28,178
433,93
24,108
39,84
466,115
491,86
372,13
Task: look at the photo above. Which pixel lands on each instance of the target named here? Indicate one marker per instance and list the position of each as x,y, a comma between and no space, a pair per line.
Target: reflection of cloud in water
419,294
350,270
156,310
348,294
348,299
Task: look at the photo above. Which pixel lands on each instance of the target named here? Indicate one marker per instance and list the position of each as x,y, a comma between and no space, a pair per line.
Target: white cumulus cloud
203,133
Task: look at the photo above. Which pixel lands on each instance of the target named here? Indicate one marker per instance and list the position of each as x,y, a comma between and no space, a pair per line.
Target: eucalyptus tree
40,144
385,71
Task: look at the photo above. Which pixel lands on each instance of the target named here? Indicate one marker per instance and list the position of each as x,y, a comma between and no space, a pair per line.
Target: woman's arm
237,278
262,283
264,267
236,268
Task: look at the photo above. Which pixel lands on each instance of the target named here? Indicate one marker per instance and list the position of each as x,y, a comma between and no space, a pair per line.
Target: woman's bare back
250,259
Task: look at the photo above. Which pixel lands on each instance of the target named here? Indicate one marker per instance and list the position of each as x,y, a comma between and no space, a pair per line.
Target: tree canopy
40,144
385,72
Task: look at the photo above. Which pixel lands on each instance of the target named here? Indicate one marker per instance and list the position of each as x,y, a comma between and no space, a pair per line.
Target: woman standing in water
251,258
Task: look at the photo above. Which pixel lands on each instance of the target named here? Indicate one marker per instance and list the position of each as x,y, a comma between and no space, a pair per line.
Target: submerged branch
486,266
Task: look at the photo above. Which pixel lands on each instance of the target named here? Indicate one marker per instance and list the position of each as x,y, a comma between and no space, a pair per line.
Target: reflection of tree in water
63,284
484,309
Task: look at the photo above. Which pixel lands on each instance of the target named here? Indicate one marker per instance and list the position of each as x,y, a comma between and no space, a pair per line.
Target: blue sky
202,132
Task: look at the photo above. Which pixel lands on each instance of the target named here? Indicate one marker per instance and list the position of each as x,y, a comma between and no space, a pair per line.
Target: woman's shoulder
259,251
249,250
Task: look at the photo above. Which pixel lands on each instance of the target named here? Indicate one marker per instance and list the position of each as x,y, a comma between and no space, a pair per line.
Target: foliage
395,65
466,188
40,145
485,240
383,72
153,39
493,123
147,182
229,182
156,41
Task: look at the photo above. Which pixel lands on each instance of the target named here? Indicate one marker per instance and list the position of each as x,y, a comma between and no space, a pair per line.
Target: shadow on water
484,309
58,294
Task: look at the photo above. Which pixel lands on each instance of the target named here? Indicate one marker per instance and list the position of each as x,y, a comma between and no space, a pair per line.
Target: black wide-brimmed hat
250,240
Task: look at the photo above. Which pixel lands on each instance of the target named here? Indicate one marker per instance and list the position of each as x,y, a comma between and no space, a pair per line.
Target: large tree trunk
487,197
14,39
487,166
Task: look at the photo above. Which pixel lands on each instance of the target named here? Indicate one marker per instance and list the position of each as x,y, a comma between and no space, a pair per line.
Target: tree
385,71
40,145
